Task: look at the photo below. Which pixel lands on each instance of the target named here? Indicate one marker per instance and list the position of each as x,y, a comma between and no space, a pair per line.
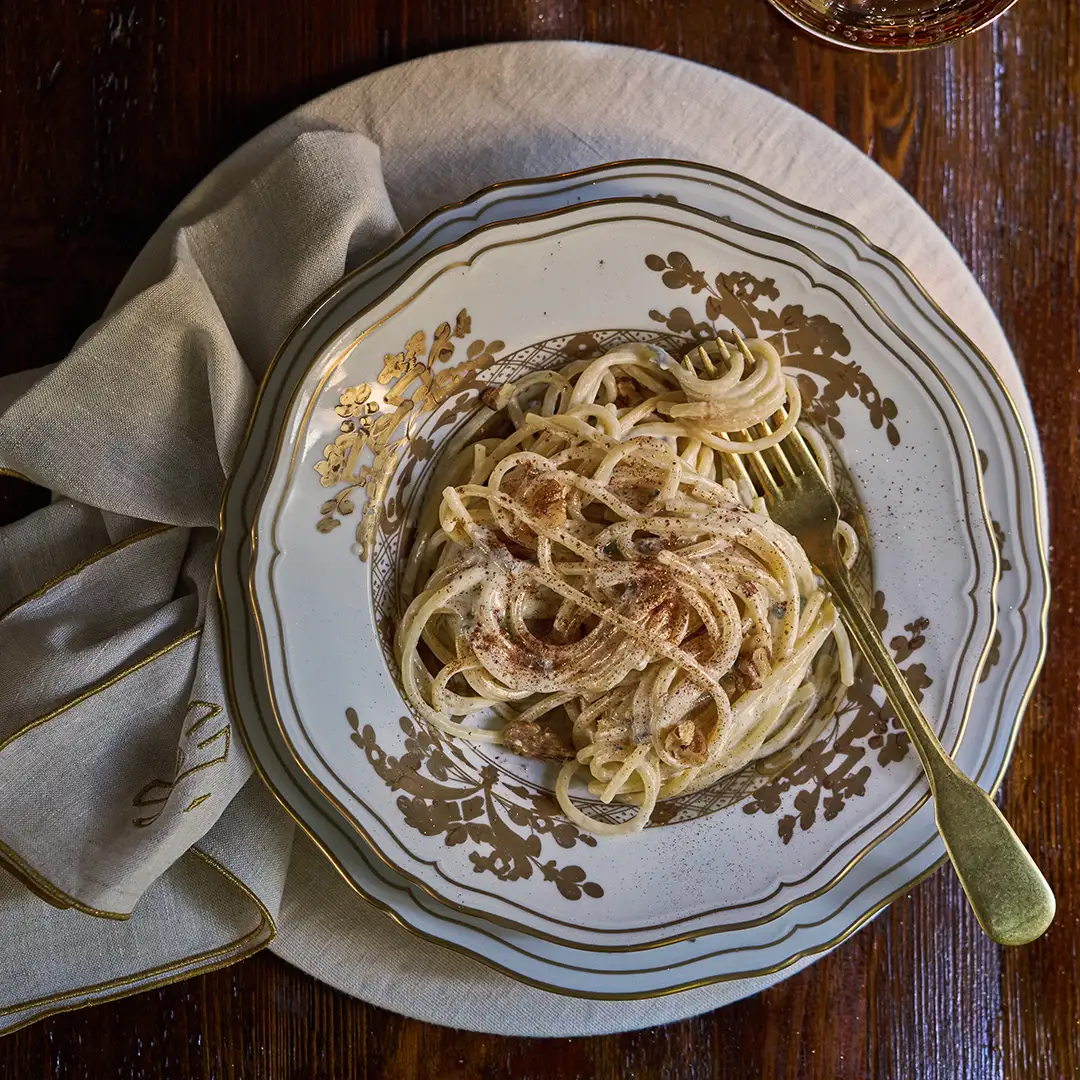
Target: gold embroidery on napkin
11,860
157,792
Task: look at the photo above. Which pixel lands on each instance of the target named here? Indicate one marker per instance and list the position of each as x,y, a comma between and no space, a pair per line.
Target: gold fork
1011,899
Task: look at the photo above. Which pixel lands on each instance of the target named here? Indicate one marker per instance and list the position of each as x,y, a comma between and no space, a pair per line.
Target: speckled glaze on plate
813,921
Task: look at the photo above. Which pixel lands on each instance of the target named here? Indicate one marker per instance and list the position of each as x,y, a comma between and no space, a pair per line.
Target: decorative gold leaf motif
354,401
389,433
811,343
442,794
999,538
385,454
993,657
393,543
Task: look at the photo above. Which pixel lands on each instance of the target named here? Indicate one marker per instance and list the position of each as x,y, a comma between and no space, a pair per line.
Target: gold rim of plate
501,920
1040,568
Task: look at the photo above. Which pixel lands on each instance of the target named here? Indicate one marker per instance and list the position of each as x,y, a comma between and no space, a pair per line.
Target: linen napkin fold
124,789
136,431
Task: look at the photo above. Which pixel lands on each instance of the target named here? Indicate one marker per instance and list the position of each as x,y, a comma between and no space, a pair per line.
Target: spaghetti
593,586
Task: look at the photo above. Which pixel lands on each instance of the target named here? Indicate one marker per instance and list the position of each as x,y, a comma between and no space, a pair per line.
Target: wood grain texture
111,111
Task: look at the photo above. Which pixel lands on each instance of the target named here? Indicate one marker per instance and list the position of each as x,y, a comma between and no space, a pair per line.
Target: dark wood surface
110,112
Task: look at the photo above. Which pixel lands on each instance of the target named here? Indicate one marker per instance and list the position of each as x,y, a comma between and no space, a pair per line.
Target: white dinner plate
768,884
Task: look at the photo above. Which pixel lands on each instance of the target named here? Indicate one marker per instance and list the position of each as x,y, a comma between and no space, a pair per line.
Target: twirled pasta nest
587,583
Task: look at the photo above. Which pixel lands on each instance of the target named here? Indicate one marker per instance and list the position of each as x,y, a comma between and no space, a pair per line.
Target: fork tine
745,487
775,455
706,360
740,341
735,463
796,445
779,463
766,482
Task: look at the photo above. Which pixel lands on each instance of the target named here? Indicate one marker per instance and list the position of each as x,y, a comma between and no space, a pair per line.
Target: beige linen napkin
124,790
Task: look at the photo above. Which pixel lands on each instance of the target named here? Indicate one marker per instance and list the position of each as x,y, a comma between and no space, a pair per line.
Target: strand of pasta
663,550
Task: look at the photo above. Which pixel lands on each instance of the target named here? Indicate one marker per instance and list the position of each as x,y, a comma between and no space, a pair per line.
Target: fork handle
1009,895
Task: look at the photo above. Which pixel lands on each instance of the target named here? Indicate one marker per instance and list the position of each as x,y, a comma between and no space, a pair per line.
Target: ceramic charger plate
947,664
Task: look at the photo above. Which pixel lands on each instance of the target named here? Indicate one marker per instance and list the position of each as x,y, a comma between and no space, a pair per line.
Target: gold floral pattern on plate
444,794
993,656
385,452
416,386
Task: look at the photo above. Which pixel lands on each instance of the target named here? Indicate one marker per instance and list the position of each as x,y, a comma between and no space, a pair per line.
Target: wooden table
110,112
